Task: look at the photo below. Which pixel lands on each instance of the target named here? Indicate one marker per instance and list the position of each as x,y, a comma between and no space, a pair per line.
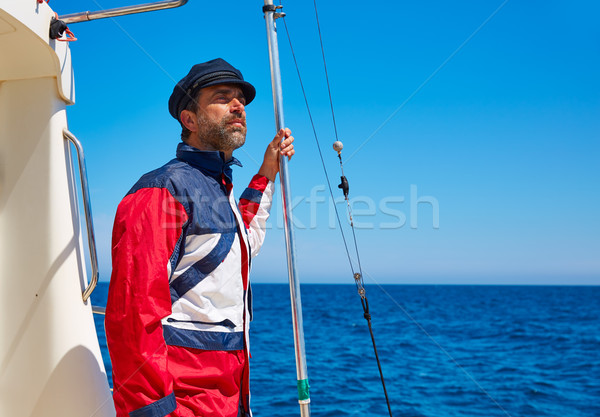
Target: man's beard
221,135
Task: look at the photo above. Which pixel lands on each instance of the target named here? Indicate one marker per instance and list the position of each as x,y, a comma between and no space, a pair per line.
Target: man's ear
189,120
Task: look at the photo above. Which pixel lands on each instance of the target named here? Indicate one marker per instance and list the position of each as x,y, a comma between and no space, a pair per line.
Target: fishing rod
271,14
358,276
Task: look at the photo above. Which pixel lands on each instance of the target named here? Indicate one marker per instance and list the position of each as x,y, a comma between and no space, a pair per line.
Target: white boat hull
50,360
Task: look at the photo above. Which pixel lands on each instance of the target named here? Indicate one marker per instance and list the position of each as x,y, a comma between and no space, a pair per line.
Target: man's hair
193,107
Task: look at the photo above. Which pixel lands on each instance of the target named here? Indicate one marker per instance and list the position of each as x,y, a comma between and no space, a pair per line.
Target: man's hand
277,147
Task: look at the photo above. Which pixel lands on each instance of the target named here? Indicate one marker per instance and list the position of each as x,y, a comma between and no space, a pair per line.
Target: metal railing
87,205
121,11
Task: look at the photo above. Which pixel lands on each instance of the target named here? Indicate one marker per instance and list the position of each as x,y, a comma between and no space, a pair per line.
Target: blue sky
482,168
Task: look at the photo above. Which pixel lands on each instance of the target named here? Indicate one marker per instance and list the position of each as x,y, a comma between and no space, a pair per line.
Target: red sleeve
147,227
251,198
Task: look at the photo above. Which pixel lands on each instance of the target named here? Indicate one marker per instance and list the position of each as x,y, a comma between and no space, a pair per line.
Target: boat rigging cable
344,185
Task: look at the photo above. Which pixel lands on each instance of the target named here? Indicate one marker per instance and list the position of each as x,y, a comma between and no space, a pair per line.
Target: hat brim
247,89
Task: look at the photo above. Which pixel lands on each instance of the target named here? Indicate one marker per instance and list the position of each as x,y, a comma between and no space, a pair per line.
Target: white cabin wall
50,360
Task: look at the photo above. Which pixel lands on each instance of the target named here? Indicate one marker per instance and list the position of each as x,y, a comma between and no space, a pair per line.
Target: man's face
221,117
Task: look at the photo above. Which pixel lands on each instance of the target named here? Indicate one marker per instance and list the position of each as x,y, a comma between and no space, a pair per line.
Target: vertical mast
301,372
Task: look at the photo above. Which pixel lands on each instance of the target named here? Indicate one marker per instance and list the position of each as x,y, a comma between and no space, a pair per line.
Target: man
178,307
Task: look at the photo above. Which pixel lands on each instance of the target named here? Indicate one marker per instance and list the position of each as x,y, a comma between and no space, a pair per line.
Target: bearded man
179,299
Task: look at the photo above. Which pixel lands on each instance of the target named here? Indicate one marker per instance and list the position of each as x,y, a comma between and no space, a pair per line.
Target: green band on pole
303,390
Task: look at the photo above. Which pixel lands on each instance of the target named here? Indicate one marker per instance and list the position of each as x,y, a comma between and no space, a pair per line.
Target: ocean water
445,350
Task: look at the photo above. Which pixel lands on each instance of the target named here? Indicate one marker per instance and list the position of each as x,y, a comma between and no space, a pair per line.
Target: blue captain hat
214,72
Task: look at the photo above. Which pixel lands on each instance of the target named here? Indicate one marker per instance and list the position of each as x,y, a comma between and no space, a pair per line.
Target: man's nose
236,106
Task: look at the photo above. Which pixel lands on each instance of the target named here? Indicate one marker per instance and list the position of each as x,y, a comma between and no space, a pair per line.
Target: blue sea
445,350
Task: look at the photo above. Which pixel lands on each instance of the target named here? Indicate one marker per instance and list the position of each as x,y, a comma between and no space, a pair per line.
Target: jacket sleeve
255,204
147,227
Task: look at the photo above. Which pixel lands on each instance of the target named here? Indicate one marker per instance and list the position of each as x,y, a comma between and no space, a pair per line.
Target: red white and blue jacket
179,301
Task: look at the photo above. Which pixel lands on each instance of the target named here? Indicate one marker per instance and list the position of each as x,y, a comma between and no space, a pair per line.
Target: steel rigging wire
338,146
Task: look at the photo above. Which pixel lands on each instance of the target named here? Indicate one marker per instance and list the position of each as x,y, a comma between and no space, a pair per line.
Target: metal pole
121,11
302,375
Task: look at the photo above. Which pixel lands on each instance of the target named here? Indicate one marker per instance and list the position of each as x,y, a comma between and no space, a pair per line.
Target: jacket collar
211,163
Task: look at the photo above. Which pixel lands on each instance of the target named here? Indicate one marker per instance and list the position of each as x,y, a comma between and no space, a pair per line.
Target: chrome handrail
121,11
88,213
